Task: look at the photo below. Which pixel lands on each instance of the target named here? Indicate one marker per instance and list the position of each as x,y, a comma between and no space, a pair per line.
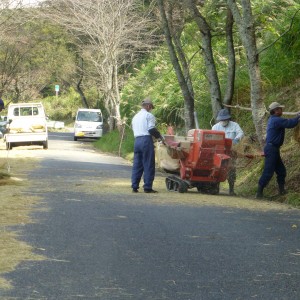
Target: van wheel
45,144
75,138
9,146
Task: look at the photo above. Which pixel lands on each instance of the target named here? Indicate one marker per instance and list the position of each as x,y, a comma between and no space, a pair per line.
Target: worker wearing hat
143,125
274,140
234,132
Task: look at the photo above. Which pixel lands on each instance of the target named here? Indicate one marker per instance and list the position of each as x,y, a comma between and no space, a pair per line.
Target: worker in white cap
143,125
274,140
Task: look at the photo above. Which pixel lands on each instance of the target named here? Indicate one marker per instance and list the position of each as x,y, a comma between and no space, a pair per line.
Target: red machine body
204,158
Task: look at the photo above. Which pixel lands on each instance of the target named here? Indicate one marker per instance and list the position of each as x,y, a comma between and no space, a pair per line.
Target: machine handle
196,120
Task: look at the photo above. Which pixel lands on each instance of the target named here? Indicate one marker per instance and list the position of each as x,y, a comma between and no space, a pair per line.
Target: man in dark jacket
1,105
274,140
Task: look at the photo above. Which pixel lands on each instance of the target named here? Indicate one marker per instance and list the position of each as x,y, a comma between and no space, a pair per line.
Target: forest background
189,55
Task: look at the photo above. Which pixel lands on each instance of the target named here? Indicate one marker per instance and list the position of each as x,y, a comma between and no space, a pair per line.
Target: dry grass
121,186
12,252
14,210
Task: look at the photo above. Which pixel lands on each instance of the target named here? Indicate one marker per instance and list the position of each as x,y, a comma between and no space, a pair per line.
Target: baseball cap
274,105
147,101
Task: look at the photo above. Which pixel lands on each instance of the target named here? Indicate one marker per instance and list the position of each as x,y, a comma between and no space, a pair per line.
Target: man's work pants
143,162
273,163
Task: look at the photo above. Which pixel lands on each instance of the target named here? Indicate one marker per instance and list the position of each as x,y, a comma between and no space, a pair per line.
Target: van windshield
89,116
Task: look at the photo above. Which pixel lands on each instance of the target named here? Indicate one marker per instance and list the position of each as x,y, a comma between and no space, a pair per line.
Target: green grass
117,143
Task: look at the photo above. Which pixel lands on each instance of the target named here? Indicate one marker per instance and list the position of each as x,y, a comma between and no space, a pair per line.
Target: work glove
162,140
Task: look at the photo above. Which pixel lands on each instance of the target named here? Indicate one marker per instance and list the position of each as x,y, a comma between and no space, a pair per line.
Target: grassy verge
120,144
248,170
15,208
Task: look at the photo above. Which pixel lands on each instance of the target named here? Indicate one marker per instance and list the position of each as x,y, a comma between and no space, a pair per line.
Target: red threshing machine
203,160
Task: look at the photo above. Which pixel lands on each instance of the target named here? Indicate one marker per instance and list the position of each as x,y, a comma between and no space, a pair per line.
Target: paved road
103,242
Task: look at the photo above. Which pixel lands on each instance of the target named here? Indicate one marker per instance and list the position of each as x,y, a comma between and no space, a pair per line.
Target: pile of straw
247,147
297,133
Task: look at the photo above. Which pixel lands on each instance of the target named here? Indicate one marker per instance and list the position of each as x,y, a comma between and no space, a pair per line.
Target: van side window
16,111
98,117
25,111
35,111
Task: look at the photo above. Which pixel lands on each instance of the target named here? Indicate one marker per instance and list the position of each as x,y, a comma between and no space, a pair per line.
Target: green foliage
280,62
63,107
116,143
293,199
33,58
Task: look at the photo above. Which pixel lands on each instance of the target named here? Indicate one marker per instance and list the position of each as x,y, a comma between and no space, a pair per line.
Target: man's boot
231,189
282,190
259,193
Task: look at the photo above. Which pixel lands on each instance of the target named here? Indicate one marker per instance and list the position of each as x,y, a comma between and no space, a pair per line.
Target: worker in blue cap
234,132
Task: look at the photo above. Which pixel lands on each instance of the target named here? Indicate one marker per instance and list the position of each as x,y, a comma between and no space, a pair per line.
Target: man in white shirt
232,131
143,125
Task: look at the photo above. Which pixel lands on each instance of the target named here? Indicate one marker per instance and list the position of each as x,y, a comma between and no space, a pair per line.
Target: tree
110,35
33,55
245,23
212,75
183,77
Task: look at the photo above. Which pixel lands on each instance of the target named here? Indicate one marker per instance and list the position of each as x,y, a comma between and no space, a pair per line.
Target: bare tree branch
250,109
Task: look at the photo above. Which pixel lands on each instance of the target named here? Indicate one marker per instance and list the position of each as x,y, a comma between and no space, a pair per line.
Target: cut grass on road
15,208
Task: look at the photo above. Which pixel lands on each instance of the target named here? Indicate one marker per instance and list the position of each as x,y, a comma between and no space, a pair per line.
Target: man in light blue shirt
232,131
143,126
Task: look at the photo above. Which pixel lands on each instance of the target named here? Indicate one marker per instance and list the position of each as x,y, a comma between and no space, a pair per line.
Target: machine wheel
169,184
175,184
214,189
45,144
209,188
75,138
182,187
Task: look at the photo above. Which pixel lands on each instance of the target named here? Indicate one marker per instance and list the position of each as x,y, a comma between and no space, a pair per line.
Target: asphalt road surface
100,241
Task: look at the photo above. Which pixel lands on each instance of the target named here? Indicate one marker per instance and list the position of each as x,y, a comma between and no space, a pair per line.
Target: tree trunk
246,29
78,85
211,71
188,98
231,60
177,43
81,93
117,98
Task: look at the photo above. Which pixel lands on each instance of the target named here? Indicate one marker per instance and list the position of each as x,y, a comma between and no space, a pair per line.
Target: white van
27,125
88,124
